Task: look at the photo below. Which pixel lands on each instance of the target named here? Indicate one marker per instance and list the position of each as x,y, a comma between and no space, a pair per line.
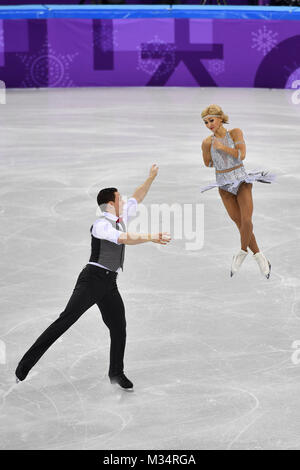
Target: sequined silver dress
231,180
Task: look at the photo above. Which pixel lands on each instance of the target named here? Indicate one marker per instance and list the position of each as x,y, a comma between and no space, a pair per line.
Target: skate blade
118,387
231,272
28,377
269,273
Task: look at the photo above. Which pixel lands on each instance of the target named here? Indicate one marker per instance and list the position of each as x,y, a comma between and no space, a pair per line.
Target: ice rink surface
214,359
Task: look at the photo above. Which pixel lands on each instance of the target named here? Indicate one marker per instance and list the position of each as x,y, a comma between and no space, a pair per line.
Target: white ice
214,359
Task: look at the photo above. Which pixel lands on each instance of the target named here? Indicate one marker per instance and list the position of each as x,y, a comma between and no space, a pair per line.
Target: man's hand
153,171
163,238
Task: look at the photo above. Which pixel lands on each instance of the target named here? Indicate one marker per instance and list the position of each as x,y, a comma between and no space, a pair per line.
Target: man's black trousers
94,285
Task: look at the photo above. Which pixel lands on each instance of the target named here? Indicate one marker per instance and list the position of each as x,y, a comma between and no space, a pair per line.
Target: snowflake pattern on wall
264,40
47,68
159,52
105,38
216,66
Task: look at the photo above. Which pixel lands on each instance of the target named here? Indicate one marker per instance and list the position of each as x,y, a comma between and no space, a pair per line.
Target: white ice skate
237,261
263,263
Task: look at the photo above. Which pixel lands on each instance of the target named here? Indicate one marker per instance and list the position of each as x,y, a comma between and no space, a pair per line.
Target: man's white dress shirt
105,231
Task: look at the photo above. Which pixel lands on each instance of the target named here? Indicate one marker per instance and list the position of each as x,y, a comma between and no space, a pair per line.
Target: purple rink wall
206,46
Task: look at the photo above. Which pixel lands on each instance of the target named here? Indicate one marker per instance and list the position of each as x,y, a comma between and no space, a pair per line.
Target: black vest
107,253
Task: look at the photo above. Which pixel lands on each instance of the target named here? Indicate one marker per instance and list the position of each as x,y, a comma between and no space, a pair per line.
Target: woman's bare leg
245,203
231,204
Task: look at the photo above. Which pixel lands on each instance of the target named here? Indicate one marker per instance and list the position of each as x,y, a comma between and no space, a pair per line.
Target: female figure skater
225,151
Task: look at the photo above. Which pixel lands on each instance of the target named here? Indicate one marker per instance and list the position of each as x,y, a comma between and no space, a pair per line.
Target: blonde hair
216,110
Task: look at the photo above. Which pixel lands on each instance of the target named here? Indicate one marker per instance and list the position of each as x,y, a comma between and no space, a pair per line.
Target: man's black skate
122,380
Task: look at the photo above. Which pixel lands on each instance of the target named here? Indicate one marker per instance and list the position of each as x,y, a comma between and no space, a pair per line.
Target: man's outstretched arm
131,238
140,192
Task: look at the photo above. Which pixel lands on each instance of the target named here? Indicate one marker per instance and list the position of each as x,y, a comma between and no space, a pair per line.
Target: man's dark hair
106,195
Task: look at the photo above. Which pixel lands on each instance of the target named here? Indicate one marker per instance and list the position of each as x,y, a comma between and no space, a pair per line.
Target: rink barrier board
47,11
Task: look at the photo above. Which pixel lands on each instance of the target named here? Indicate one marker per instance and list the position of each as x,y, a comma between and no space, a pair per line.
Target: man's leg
113,314
80,301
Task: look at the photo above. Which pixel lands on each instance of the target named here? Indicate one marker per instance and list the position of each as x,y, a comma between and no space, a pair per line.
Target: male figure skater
97,281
